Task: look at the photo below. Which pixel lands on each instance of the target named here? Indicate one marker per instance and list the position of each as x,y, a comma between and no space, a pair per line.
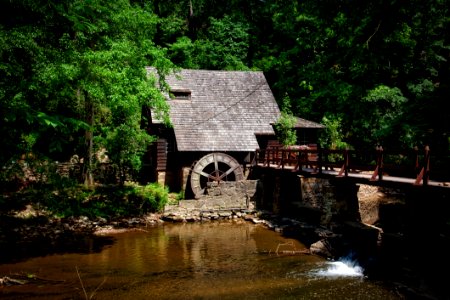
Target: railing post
267,156
416,166
424,173
273,152
346,162
299,162
344,169
426,166
380,162
379,168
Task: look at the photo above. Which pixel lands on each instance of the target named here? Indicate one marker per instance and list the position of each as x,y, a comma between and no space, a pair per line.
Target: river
216,260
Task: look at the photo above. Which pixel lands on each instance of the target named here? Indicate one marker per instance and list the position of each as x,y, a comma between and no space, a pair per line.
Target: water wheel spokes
228,172
214,167
209,176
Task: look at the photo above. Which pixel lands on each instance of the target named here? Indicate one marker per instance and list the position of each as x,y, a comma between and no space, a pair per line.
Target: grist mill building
219,119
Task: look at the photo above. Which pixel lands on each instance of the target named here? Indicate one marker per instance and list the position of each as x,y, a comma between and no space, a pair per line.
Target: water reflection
217,260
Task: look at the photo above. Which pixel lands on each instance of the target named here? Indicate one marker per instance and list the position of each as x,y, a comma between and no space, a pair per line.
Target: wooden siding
161,155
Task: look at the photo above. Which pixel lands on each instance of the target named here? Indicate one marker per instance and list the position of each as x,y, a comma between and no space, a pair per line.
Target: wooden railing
410,164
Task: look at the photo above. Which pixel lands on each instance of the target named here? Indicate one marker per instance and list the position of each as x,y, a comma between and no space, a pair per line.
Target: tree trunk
89,135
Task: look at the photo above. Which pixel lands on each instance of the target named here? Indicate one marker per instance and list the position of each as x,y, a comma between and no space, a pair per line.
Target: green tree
345,50
333,137
79,63
387,107
223,46
284,126
68,66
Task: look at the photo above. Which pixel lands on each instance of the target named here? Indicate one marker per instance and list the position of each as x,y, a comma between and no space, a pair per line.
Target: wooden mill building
219,119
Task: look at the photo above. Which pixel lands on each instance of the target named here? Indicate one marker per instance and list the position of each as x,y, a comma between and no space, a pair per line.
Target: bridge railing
410,164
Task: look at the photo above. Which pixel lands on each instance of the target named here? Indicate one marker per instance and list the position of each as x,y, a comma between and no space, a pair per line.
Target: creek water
216,260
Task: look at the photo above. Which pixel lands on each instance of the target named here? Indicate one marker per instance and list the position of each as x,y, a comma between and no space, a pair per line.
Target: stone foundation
226,199
380,204
324,200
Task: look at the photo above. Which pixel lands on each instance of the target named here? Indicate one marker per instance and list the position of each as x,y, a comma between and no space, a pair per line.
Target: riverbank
221,259
32,232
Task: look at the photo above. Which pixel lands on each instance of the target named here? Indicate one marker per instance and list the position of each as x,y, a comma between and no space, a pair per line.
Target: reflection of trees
221,246
211,246
193,249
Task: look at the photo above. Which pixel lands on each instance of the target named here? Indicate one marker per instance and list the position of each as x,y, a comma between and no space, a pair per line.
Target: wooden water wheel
214,167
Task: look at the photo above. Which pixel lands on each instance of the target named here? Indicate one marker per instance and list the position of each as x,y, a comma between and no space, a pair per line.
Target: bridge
377,167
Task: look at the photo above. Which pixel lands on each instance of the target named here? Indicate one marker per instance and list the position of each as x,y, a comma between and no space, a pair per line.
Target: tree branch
370,37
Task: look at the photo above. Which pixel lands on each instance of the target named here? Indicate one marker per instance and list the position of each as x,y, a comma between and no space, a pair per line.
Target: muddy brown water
217,260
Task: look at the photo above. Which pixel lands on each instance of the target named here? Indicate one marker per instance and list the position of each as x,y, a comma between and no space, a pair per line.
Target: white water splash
341,269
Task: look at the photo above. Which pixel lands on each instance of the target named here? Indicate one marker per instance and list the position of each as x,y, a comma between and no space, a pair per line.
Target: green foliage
73,71
422,89
183,53
154,196
224,45
329,45
35,172
391,96
386,106
333,137
126,145
106,201
284,129
179,196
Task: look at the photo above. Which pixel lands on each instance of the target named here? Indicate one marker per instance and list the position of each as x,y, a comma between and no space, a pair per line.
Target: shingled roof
303,123
220,110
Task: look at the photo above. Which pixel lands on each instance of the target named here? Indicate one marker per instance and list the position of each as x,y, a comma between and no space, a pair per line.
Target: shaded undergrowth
47,219
77,200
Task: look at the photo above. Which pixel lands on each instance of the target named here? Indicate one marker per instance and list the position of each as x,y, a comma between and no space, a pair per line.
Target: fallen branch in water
290,252
11,281
107,231
20,279
81,282
293,252
84,290
98,287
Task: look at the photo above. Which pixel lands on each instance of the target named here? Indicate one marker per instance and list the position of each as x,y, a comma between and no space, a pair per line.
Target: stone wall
380,204
326,200
226,199
317,200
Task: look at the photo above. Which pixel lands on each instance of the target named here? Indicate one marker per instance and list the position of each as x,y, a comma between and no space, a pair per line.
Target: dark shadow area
21,238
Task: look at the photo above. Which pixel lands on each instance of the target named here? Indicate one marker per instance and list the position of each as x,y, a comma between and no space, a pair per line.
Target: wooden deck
368,168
